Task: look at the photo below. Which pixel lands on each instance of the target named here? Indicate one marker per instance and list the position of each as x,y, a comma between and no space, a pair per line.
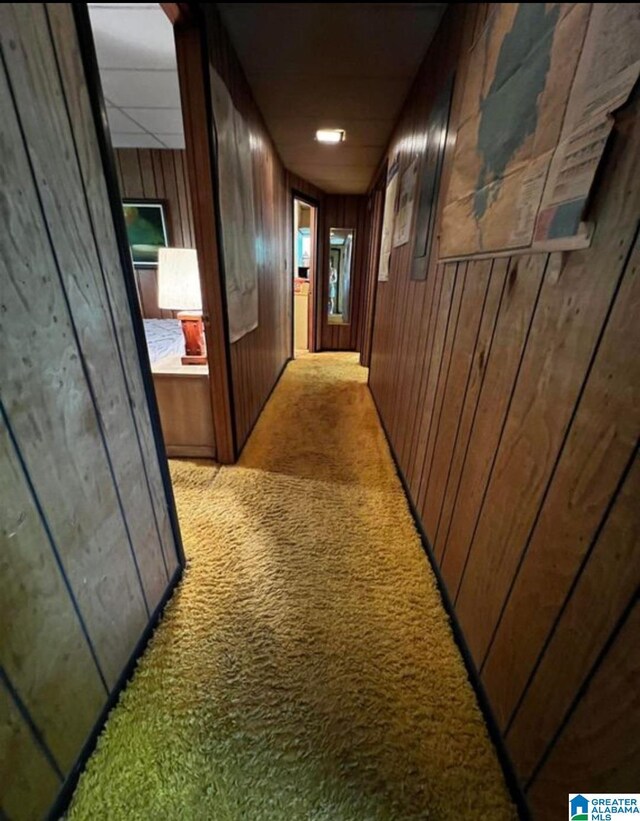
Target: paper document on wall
237,214
388,220
406,204
605,76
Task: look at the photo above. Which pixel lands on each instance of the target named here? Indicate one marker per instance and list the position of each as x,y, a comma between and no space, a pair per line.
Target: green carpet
305,668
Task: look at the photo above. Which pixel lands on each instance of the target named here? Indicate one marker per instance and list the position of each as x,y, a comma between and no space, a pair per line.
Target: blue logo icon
579,808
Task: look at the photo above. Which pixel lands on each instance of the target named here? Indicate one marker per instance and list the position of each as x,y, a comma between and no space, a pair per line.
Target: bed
164,338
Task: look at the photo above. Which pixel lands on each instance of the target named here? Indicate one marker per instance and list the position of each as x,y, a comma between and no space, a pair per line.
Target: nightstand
184,401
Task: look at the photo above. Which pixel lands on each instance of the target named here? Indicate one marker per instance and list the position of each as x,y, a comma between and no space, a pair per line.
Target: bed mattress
164,338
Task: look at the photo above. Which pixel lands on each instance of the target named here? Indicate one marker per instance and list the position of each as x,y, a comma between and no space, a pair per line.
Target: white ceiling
137,61
331,65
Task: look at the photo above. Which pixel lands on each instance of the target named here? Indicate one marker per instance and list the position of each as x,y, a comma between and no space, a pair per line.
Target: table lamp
179,290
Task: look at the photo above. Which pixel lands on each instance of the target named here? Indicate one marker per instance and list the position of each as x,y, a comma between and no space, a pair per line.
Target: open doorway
305,216
139,75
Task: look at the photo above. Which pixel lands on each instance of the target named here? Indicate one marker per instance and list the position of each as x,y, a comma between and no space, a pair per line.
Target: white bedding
164,338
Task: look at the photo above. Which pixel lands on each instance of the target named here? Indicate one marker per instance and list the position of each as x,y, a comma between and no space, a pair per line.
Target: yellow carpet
305,668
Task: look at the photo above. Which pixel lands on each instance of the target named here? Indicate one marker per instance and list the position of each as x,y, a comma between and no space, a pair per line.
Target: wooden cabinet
184,401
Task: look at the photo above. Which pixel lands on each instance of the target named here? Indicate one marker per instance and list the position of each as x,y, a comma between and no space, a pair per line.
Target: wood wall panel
158,174
509,390
90,544
63,692
584,624
343,211
28,781
594,458
258,357
607,720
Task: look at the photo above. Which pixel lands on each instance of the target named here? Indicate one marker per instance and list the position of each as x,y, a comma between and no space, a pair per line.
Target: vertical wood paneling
596,453
158,174
514,319
97,199
607,722
509,390
469,409
28,782
343,211
63,692
88,544
584,626
258,357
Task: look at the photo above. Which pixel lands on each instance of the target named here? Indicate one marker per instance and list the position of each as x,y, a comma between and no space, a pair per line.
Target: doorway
305,218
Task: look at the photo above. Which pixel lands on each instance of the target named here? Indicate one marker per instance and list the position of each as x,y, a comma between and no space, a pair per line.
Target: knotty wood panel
585,623
79,106
28,782
34,77
607,721
513,415
63,691
258,357
594,458
88,526
343,211
158,174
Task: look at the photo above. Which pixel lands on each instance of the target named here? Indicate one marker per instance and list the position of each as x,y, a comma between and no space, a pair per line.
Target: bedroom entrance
304,270
140,72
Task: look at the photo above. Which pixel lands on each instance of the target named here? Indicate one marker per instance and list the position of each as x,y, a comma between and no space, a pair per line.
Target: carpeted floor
305,668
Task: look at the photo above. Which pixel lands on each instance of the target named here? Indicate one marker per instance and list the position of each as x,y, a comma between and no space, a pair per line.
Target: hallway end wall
343,211
258,357
88,552
510,391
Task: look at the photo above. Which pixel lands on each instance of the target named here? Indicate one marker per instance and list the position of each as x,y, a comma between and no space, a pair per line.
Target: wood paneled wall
343,211
88,550
158,174
510,390
258,357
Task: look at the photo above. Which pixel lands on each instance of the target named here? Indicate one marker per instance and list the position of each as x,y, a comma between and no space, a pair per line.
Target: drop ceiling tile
157,120
135,141
121,124
151,89
132,36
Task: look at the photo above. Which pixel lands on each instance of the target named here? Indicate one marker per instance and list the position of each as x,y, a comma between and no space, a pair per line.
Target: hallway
304,667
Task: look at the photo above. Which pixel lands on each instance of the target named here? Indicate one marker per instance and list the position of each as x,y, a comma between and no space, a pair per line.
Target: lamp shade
179,280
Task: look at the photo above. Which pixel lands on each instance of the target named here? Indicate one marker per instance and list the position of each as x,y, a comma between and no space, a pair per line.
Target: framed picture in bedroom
146,222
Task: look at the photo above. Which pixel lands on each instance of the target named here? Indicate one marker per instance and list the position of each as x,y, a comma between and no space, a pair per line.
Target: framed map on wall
541,86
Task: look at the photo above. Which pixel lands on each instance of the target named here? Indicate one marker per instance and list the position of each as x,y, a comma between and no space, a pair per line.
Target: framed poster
146,222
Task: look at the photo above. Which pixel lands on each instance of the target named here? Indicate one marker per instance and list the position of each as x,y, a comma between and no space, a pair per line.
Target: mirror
340,261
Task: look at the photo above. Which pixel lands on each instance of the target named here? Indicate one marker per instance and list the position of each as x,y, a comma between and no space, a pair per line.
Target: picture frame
147,230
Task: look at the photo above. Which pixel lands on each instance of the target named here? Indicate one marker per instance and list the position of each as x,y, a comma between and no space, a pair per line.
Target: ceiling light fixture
330,135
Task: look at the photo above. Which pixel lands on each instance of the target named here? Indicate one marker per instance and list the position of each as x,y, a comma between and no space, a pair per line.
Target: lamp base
194,343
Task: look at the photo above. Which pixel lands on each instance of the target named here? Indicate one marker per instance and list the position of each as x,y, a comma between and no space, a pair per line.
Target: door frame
315,220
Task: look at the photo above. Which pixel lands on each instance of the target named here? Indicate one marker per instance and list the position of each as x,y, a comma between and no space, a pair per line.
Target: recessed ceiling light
330,135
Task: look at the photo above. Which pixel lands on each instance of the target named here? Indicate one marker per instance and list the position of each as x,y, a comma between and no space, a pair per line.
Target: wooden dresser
184,401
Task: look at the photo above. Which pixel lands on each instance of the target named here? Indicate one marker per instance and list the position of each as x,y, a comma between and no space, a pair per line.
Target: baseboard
63,799
511,779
